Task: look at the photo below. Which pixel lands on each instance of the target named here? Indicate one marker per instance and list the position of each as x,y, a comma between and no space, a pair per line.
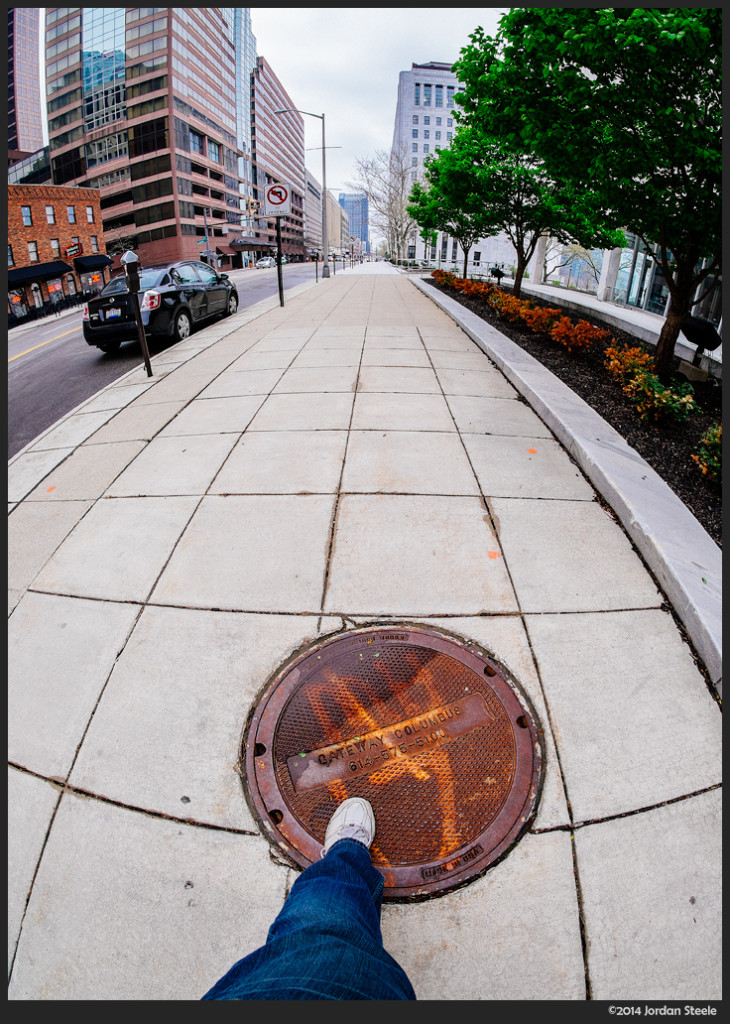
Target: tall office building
25,126
425,124
143,105
278,156
356,207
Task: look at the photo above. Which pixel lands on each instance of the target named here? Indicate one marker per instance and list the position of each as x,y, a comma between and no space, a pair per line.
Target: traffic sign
278,201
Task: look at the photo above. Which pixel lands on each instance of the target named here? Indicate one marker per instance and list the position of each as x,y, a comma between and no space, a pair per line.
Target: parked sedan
265,262
174,298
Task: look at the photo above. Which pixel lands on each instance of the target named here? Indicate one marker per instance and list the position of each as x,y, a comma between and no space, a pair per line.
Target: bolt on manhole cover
425,725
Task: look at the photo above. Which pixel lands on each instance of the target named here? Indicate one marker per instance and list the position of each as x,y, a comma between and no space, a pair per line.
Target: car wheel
110,347
232,305
183,326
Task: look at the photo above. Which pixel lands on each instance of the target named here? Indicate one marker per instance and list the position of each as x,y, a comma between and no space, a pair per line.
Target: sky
345,62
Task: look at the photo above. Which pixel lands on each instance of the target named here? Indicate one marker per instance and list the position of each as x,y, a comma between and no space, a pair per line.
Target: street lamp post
289,110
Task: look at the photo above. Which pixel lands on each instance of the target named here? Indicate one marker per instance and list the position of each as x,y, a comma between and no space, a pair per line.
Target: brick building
56,250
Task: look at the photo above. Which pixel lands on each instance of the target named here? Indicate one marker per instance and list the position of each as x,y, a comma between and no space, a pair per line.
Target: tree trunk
519,274
466,261
664,354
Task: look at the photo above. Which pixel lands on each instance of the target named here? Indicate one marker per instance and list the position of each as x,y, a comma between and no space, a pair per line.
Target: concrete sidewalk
287,473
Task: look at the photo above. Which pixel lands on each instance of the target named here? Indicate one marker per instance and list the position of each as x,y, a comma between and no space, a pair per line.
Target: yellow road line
58,336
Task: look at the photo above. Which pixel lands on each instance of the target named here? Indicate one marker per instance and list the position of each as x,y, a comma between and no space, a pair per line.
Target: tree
385,180
623,105
449,202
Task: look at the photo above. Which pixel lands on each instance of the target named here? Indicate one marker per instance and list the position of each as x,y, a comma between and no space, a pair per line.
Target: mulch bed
667,448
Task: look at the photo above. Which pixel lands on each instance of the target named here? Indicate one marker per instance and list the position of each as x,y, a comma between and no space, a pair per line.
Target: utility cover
427,726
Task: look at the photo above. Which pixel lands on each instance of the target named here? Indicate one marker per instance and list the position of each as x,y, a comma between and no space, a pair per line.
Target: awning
39,272
85,263
250,245
225,250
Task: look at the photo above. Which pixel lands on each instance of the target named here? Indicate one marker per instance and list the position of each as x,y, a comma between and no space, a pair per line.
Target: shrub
709,454
656,401
541,319
625,363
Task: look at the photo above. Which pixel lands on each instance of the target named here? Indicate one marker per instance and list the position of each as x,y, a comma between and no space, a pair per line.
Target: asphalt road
51,369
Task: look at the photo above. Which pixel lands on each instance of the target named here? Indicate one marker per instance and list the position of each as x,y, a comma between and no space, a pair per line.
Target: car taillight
85,314
151,300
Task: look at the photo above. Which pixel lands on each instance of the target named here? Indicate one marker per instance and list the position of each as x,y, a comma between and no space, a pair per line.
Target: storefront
32,290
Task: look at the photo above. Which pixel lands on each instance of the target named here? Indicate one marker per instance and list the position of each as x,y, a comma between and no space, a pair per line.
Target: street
51,369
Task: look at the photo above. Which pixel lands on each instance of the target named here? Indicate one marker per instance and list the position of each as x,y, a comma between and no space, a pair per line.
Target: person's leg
326,941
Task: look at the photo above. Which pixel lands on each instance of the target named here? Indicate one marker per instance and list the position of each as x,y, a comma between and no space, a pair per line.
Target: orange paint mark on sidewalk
493,554
532,451
49,489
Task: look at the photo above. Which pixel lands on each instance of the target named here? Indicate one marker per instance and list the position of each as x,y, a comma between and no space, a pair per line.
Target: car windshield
147,279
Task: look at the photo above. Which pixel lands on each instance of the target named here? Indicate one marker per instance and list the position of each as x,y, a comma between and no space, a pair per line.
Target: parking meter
130,260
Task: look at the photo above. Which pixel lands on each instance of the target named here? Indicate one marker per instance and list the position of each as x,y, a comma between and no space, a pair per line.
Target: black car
173,299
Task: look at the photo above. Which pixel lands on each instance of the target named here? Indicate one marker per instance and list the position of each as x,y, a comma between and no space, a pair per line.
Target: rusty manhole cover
425,725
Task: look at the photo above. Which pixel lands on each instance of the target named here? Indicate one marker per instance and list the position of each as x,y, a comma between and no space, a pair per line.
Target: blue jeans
326,941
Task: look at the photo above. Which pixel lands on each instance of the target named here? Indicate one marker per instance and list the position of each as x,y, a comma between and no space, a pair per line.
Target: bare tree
385,180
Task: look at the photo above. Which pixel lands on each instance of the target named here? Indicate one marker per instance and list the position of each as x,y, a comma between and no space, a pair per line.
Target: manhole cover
425,725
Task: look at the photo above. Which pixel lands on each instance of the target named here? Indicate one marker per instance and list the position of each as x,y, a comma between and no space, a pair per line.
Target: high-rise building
25,125
143,104
356,207
278,156
425,124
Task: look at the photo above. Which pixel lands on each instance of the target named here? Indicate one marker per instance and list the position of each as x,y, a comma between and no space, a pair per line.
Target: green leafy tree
623,106
449,203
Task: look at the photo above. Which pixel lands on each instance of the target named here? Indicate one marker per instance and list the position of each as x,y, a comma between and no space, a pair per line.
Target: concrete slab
525,467
167,733
112,554
305,412
35,531
283,462
395,357
214,416
651,887
61,651
497,416
73,430
318,379
413,555
405,379
255,360
258,553
87,473
180,898
482,383
632,716
401,412
570,556
174,465
27,469
31,803
181,384
118,395
136,423
321,357
242,382
407,462
513,934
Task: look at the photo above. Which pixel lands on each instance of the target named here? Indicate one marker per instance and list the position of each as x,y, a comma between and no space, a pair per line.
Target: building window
438,122
27,217
427,120
438,135
196,143
427,134
415,119
94,243
439,95
50,215
417,95
425,147
449,95
71,211
214,151
10,256
427,95
56,247
414,147
33,252
90,214
414,133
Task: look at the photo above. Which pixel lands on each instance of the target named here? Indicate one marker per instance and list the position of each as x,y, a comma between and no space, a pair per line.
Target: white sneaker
353,819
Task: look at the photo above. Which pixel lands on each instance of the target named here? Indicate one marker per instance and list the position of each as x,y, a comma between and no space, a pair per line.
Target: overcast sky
344,62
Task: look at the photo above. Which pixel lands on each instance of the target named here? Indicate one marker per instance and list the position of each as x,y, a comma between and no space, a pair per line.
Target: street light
292,110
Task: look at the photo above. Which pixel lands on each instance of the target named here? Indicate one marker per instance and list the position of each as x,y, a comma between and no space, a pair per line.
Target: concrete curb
683,557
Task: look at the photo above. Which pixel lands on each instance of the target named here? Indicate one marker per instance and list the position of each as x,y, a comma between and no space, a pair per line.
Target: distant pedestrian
326,941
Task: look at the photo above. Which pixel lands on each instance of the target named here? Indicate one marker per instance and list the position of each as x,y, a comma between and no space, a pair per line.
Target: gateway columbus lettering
408,738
